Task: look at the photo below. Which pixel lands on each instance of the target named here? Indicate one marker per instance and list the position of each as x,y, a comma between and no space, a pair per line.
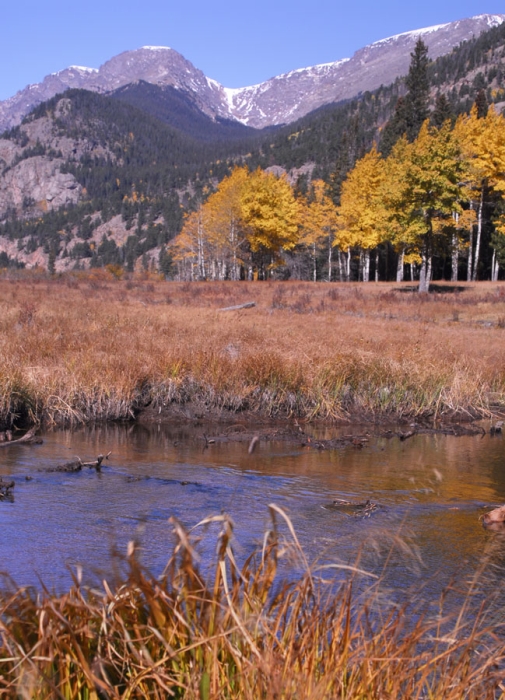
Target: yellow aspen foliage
191,247
319,222
225,227
482,143
395,219
432,190
360,213
269,211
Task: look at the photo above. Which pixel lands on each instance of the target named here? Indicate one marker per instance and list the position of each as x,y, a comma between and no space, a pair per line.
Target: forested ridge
161,157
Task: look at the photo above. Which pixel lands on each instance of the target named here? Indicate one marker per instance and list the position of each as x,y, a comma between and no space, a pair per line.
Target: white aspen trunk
424,280
330,258
454,257
314,274
479,233
470,252
348,268
411,272
399,269
340,265
495,267
376,264
361,266
234,266
429,270
201,255
366,265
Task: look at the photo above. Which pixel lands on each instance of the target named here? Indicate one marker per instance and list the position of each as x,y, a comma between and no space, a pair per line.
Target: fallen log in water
29,438
76,465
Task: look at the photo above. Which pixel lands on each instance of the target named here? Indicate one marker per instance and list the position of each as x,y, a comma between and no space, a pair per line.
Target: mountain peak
281,99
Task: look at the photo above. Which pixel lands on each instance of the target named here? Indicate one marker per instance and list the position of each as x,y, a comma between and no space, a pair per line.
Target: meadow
86,347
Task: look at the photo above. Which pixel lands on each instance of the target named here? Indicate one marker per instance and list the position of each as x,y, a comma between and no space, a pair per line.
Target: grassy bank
246,634
82,348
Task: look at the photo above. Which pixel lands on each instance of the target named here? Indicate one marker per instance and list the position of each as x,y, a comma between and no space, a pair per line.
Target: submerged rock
6,490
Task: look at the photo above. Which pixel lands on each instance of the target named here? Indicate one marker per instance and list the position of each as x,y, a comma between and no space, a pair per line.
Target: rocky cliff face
282,99
31,183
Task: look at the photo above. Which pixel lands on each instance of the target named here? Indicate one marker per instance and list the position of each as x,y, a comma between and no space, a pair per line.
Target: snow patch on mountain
83,69
412,33
490,20
156,48
319,68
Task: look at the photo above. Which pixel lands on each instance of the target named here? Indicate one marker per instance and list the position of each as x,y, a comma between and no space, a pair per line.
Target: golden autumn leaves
247,222
244,227
426,196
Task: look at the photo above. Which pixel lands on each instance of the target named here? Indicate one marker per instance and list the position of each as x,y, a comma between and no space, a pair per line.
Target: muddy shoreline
218,426
221,425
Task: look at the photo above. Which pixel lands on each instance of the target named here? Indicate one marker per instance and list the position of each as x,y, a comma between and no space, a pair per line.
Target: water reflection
431,491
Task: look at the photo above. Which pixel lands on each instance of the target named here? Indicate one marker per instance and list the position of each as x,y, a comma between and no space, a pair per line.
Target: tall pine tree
411,110
418,85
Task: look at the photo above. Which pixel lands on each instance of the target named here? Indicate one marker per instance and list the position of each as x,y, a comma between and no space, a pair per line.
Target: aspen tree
482,142
360,212
190,249
269,212
430,193
395,217
225,225
318,223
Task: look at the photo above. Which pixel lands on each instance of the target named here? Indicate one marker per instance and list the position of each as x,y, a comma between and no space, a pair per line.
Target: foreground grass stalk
240,634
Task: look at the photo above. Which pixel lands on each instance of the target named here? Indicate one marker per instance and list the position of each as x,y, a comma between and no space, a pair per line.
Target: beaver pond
422,523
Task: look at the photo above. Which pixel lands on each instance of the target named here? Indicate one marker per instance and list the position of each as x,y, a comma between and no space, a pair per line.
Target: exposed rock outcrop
37,183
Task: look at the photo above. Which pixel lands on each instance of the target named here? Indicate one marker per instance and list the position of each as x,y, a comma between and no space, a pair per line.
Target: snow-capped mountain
281,99
285,98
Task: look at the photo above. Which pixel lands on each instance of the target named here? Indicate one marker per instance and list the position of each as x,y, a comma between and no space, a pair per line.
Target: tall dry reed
244,633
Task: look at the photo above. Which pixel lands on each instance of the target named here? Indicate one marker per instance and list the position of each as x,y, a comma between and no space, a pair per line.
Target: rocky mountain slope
280,100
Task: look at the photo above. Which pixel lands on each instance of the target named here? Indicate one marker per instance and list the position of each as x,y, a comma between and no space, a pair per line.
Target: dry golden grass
86,347
244,634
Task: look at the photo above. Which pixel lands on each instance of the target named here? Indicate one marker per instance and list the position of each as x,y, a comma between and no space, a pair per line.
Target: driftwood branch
29,438
77,464
247,305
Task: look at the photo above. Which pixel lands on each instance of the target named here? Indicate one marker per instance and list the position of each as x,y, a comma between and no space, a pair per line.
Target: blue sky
235,42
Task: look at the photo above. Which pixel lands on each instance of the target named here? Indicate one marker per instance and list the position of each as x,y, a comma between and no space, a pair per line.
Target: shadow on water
429,492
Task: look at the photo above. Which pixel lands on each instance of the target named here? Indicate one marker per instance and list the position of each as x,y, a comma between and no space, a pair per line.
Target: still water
430,489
